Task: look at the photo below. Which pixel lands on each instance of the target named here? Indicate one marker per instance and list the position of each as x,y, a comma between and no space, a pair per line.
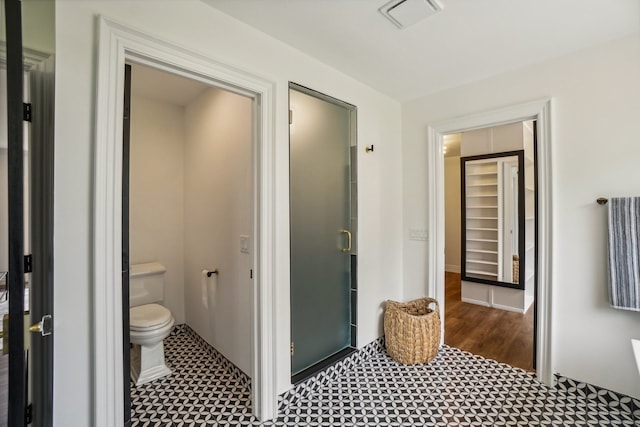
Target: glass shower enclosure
321,134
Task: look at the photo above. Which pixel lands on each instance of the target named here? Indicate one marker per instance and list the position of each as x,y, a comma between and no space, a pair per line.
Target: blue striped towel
624,252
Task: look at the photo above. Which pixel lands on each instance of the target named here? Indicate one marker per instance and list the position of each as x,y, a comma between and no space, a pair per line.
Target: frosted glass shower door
320,236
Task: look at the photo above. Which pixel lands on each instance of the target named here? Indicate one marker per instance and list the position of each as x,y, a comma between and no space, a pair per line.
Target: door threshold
325,363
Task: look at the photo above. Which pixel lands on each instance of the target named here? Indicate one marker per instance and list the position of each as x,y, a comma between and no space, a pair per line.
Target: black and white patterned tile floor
456,389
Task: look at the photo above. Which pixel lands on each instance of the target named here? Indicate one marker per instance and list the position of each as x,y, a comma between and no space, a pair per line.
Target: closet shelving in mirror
483,225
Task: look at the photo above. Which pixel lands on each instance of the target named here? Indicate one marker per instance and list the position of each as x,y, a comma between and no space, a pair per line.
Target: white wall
217,210
595,151
190,201
38,25
157,195
452,214
209,32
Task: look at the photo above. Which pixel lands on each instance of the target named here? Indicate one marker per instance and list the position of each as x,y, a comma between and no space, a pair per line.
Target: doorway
187,206
119,44
490,228
541,112
322,191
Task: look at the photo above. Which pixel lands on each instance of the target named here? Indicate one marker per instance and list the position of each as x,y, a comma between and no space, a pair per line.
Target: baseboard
509,308
476,302
528,302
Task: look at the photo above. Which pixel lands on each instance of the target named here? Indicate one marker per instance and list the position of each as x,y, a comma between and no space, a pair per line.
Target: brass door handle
43,327
348,248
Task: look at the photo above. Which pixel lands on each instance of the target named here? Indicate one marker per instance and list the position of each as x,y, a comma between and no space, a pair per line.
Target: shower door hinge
28,263
26,112
292,349
28,414
290,116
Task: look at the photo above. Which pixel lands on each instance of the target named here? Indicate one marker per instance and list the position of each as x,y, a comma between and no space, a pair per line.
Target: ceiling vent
403,13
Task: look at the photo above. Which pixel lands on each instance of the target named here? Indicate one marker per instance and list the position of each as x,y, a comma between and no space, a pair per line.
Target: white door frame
539,110
118,43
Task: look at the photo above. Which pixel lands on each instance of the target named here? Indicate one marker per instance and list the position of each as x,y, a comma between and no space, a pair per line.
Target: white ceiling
469,40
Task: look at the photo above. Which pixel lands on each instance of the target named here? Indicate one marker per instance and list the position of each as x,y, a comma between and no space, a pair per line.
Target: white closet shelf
482,173
483,251
483,185
480,261
482,229
482,207
483,217
482,240
483,273
482,195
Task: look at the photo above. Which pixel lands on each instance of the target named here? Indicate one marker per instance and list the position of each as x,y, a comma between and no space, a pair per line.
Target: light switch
244,244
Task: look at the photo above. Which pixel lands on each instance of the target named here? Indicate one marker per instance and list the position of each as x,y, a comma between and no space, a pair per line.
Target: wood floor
497,334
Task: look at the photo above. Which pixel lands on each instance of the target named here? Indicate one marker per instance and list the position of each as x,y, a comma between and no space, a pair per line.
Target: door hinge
290,117
251,274
28,414
292,349
26,112
28,263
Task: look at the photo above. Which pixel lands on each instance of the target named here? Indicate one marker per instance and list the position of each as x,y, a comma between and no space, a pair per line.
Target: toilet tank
146,283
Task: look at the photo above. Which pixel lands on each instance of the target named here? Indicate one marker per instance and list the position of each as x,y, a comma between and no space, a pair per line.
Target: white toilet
149,322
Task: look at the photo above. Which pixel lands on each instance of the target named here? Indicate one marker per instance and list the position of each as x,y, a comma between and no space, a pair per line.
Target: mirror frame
521,227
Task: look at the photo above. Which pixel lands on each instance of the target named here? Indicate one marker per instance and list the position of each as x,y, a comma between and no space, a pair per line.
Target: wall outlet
244,244
418,234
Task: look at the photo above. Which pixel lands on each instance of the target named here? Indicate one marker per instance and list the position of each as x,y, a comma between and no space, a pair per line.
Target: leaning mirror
493,219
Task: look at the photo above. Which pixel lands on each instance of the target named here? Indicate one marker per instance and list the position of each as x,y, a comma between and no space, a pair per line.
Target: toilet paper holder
211,272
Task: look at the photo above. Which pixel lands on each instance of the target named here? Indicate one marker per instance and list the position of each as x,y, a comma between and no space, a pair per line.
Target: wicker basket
412,330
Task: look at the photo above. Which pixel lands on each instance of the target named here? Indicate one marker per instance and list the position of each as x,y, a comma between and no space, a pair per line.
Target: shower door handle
348,234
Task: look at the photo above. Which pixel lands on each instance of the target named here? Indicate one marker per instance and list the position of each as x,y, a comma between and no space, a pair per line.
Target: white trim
541,111
117,43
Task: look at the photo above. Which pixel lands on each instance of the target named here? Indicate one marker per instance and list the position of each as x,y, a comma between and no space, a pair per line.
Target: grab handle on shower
348,248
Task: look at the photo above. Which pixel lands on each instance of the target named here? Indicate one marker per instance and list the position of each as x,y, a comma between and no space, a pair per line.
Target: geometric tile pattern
455,389
332,373
219,359
198,391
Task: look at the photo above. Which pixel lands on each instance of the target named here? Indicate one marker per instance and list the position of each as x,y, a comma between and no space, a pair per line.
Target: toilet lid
148,316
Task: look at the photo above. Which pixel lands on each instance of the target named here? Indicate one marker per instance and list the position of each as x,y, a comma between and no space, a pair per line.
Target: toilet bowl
149,323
